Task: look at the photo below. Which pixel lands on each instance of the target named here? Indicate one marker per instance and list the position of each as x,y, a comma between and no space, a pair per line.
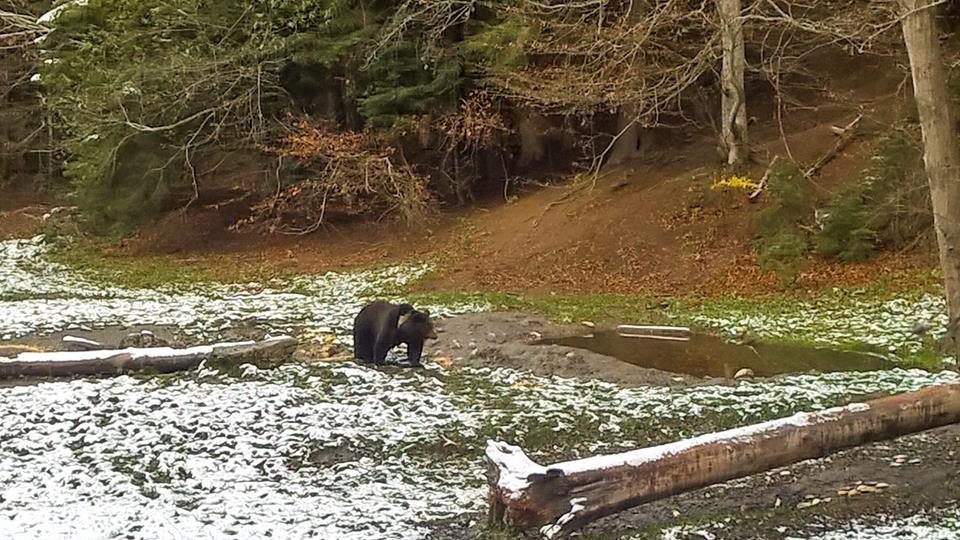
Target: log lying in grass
559,498
158,359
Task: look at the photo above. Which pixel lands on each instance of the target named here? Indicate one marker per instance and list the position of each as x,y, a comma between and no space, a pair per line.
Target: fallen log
847,134
557,499
763,181
155,359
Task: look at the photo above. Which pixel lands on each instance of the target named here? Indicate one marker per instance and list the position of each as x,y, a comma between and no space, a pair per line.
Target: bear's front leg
414,350
380,350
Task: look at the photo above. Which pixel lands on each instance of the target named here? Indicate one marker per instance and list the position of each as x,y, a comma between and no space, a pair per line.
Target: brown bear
381,326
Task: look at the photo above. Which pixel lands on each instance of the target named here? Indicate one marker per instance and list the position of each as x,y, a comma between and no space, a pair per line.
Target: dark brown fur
381,326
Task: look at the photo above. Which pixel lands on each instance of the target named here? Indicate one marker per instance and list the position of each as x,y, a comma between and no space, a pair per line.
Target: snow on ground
37,296
919,527
326,451
840,320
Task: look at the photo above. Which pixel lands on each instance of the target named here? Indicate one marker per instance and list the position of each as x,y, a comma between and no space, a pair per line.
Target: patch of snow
683,532
858,407
248,371
80,340
514,465
922,526
553,529
839,320
51,16
37,296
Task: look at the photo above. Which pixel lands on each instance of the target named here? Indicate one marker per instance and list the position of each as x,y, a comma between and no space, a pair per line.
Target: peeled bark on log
15,349
157,360
559,498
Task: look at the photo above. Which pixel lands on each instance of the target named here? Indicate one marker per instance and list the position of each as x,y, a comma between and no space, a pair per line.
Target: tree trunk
531,127
940,153
560,498
733,120
627,144
157,360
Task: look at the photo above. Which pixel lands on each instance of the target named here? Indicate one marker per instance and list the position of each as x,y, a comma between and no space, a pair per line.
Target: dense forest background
296,113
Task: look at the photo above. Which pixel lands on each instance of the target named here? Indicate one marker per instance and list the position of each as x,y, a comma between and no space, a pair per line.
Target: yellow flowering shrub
735,182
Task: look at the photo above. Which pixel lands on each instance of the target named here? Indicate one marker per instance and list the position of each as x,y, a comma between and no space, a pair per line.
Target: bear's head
418,323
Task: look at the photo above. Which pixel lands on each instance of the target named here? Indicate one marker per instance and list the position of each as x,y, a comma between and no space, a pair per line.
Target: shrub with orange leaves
358,172
476,125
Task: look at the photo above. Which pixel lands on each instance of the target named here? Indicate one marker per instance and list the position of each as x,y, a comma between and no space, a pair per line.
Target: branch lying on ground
847,135
763,181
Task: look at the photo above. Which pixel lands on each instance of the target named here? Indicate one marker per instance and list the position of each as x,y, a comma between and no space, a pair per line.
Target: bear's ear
426,313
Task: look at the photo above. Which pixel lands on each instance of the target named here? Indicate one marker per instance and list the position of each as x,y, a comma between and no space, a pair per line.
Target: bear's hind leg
362,348
356,345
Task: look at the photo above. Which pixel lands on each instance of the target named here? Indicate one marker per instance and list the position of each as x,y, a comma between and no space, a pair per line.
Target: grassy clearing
562,308
103,261
875,319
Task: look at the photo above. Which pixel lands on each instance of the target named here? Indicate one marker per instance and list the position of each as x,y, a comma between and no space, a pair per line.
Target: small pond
710,356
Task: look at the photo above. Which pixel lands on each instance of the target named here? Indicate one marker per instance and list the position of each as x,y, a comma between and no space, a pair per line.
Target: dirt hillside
653,225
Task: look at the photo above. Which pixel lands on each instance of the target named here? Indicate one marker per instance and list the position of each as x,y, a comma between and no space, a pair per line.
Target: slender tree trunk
733,121
627,145
531,126
628,132
940,154
557,499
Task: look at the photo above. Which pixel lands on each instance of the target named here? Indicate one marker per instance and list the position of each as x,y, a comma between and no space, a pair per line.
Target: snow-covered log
155,359
557,499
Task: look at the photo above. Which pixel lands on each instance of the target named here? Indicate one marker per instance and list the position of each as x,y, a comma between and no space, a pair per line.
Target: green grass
561,308
93,259
98,260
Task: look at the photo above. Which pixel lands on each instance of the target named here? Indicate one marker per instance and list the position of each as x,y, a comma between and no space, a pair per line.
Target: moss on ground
103,261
